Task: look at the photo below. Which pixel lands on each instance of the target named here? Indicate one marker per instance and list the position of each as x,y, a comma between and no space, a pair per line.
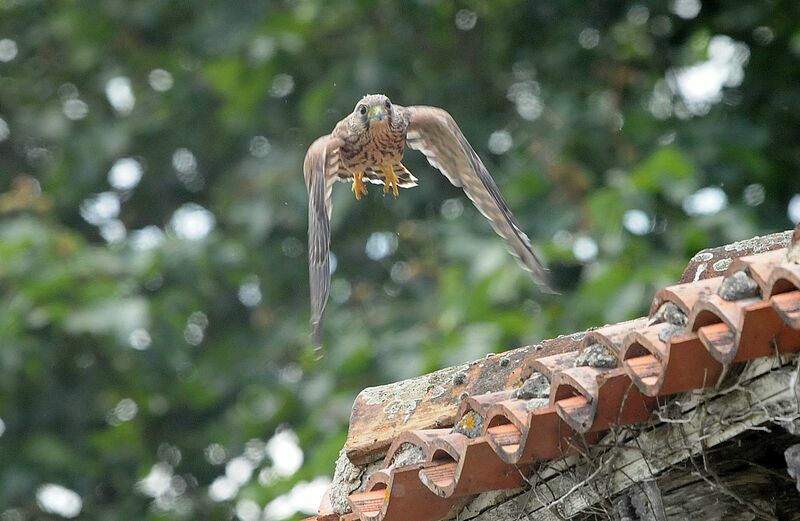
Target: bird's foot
358,186
390,180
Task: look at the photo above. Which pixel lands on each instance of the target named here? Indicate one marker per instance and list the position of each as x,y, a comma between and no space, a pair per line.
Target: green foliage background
599,129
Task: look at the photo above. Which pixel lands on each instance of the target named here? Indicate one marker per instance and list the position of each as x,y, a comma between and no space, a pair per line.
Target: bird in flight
368,145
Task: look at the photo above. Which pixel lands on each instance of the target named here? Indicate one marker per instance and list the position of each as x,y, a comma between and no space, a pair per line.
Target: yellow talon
390,180
358,185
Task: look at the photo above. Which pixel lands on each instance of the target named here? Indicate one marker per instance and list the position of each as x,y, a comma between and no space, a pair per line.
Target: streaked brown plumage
368,144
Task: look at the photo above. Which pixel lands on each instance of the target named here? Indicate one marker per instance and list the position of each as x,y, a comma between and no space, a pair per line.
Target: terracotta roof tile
738,303
686,295
647,362
612,336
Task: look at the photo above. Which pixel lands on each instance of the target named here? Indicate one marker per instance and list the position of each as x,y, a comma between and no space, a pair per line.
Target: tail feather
405,178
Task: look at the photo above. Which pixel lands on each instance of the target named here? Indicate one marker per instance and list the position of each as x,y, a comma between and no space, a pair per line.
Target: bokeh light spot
706,201
638,15
222,489
637,222
113,231
401,272
262,48
686,9
260,146
763,35
340,290
452,209
584,248
304,497
466,19
75,109
754,194
8,50
139,339
192,222
124,411
100,208
500,142
526,97
4,130
285,452
157,482
282,86
183,161
248,510
334,262
794,209
125,174
185,164
215,454
160,80
589,38
120,95
59,500
250,291
147,238
239,469
380,245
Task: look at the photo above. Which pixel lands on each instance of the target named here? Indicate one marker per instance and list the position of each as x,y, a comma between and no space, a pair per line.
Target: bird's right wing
433,132
319,167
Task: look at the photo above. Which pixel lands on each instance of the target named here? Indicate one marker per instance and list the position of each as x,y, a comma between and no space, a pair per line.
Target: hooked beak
377,113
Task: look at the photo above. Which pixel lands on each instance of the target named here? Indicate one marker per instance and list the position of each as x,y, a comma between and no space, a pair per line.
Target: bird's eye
388,104
362,109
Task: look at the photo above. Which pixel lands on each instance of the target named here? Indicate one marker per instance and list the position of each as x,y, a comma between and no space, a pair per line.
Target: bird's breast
373,148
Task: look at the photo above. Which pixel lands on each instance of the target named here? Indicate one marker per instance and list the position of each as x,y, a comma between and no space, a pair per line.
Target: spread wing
318,168
435,133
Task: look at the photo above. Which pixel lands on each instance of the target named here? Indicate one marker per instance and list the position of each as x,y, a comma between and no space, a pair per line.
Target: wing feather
318,169
435,133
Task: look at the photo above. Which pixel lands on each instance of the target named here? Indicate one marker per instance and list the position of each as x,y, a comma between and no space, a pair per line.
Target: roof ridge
695,331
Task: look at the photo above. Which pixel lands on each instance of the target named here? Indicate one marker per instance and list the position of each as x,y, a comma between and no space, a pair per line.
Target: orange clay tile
784,278
399,495
787,305
481,403
418,438
686,295
478,469
680,364
714,308
737,330
551,365
612,336
591,400
533,435
760,326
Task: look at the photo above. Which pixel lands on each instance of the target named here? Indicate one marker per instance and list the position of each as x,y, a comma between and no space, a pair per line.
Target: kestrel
368,145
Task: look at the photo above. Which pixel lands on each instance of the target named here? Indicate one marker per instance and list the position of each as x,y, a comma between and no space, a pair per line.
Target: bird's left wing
433,132
319,167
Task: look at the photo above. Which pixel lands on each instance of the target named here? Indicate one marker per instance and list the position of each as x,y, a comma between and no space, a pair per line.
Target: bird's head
374,109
